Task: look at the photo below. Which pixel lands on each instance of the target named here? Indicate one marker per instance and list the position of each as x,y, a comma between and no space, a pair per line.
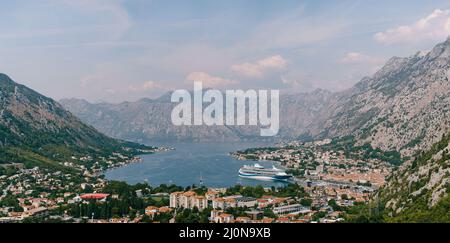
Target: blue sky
117,50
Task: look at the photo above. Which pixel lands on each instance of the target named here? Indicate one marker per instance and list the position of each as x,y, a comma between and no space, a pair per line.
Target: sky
124,50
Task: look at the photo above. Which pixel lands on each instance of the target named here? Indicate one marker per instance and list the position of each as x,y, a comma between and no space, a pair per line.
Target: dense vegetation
364,152
125,203
36,131
375,213
415,207
291,190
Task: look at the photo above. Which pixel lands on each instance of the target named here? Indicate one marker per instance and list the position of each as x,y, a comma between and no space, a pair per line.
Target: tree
269,213
307,202
332,203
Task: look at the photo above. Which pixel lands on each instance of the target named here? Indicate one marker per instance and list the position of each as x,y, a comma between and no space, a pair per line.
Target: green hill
37,131
417,192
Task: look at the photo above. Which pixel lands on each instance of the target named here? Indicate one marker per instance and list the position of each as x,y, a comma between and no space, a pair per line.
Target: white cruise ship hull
256,176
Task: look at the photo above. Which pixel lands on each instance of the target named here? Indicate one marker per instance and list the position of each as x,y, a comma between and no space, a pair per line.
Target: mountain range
403,107
150,119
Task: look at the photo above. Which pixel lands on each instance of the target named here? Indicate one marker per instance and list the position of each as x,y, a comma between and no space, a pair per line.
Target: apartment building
188,199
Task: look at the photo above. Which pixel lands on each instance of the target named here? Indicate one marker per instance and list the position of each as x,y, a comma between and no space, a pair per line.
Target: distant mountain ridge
149,119
143,120
405,106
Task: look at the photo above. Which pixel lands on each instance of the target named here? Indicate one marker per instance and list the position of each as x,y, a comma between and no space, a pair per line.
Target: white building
188,199
246,202
290,209
211,194
224,203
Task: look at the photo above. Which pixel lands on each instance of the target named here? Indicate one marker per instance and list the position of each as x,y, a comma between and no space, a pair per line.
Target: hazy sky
116,50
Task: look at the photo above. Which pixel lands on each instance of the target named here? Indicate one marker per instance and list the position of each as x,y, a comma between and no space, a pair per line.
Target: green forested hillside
36,130
419,191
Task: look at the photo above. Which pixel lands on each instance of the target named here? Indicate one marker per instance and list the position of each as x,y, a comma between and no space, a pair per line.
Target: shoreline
136,159
132,175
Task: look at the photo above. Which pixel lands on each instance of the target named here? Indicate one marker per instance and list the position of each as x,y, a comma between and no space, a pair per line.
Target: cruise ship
258,172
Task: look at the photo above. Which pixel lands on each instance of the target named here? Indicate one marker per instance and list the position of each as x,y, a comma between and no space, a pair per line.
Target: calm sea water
190,162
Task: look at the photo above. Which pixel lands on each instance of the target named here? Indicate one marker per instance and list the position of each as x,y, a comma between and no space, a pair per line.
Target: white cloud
353,57
296,28
291,83
359,65
86,81
359,58
434,27
146,86
261,67
150,85
208,80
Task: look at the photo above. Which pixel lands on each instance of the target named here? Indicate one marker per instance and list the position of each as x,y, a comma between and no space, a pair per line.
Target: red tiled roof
94,196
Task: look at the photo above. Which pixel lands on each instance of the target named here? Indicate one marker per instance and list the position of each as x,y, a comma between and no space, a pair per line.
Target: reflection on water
191,163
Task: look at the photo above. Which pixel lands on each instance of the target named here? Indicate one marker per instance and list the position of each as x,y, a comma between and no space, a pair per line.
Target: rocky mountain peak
441,51
6,82
4,77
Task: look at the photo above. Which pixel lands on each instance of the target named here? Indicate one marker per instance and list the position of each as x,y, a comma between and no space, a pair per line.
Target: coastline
136,159
191,162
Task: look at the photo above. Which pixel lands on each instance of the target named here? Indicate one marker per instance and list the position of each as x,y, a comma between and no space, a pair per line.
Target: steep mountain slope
34,127
419,191
405,106
299,111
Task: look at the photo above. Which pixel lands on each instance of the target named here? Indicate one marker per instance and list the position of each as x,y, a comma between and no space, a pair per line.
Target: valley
377,152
